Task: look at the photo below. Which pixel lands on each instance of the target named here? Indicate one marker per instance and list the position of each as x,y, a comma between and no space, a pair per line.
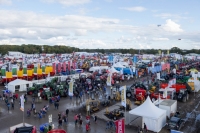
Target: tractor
114,115
37,87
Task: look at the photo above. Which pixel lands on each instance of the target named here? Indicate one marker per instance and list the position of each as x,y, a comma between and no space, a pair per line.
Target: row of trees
31,49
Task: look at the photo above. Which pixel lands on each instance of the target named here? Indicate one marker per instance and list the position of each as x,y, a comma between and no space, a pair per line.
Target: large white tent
153,117
113,70
118,64
19,84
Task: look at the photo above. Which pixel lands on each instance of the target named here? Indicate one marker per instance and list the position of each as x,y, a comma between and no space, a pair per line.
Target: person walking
76,119
107,125
67,112
59,115
145,128
87,127
12,105
95,118
8,105
60,122
80,122
65,119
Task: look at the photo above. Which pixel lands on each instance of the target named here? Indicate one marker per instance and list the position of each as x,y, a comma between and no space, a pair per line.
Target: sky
103,24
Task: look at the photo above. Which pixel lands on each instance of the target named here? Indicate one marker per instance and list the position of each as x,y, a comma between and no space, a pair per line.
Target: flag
54,67
123,96
165,93
69,66
121,71
22,102
109,79
131,72
59,68
71,84
120,125
64,66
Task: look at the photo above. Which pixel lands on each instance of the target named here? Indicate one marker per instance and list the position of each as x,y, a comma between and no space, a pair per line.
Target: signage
120,126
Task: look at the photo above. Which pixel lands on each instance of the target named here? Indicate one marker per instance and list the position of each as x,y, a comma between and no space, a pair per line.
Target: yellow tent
193,70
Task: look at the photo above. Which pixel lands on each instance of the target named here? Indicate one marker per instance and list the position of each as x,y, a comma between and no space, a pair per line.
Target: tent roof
148,109
118,64
19,81
113,70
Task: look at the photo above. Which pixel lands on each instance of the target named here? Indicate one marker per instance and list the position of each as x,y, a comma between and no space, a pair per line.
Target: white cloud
5,2
17,27
160,39
172,26
69,2
80,32
134,9
170,16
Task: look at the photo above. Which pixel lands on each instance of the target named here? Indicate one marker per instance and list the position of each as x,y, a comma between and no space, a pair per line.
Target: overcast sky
137,24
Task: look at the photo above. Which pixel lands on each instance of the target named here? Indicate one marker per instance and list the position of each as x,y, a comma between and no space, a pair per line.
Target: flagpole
23,119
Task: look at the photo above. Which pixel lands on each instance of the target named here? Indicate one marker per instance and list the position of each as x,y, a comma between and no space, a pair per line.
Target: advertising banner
123,95
120,126
109,78
71,87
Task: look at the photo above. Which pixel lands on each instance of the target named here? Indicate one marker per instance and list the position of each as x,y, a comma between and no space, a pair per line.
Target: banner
14,71
25,71
120,126
22,102
39,71
134,69
59,68
109,78
3,72
158,75
168,52
71,87
43,69
20,73
110,58
47,70
8,74
54,67
69,65
29,72
135,59
64,66
131,72
35,70
123,95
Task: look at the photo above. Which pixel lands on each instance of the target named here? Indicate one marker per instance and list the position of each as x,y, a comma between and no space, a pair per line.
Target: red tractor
140,95
182,91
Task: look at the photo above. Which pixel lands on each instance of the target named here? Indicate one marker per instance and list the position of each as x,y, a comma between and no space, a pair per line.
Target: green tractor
61,90
46,94
37,87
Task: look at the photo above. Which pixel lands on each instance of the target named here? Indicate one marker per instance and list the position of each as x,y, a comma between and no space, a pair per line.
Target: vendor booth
19,85
153,117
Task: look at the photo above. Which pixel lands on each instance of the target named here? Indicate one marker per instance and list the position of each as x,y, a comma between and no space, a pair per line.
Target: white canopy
153,117
118,64
98,68
113,70
125,64
19,84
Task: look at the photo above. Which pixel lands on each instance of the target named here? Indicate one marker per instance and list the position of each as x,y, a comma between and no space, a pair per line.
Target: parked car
175,123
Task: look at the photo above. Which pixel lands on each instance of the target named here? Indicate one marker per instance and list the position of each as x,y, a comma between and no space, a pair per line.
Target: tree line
56,49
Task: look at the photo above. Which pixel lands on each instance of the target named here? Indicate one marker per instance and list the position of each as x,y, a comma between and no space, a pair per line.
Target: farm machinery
114,115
